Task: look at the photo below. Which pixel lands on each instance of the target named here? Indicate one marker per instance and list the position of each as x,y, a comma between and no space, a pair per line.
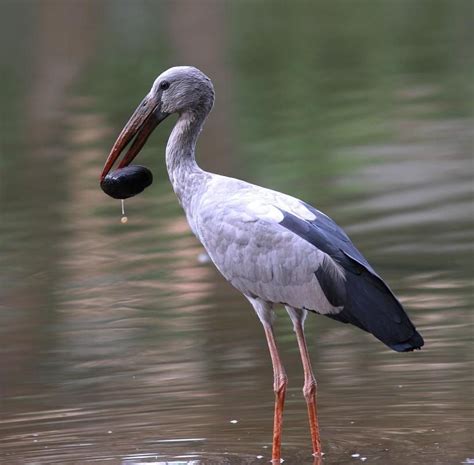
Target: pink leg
279,386
309,388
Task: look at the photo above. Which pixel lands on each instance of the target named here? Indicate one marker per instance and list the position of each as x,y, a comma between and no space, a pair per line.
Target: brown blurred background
117,344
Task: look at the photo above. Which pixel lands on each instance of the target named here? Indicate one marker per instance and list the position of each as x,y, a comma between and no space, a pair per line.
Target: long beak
140,125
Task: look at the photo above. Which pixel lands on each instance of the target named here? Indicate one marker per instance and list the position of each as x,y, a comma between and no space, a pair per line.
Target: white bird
274,248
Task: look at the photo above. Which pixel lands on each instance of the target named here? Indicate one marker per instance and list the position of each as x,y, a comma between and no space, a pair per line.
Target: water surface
119,346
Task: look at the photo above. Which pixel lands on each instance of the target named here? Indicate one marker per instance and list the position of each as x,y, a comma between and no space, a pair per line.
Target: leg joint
279,383
309,389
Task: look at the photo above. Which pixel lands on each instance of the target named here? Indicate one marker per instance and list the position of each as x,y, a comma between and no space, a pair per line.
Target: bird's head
182,89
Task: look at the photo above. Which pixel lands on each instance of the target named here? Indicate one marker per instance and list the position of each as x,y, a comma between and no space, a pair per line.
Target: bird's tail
372,307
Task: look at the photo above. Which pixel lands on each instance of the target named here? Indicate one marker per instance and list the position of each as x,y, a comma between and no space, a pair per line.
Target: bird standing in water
274,248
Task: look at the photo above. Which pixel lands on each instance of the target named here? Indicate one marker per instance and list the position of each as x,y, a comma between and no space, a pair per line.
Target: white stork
272,247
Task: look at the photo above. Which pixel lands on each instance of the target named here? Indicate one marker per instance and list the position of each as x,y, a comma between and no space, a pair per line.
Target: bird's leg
265,313
309,389
279,387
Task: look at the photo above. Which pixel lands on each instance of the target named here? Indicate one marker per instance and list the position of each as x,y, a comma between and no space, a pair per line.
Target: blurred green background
118,344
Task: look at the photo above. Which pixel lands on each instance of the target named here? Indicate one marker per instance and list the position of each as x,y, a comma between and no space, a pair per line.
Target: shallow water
119,345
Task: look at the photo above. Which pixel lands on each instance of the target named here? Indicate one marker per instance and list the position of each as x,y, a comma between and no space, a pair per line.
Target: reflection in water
120,345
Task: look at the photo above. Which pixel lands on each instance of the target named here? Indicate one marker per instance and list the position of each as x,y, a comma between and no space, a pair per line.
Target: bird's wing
245,235
280,249
369,303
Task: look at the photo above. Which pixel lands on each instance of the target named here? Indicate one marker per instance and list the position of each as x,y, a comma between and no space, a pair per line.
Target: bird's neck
184,173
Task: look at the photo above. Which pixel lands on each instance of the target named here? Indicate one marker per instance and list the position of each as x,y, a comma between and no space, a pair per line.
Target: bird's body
277,249
274,248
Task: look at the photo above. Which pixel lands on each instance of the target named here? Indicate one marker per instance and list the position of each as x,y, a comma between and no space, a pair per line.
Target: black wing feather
367,300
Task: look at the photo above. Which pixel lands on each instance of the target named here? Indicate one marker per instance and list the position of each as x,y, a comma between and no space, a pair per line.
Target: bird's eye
164,85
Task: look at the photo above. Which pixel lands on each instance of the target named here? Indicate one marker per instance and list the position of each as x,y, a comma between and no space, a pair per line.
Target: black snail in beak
126,182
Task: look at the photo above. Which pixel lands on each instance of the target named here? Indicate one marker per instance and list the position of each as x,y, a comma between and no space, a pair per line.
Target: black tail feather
366,300
372,307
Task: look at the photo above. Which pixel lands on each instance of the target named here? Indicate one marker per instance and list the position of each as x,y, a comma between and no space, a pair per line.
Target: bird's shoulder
235,200
234,210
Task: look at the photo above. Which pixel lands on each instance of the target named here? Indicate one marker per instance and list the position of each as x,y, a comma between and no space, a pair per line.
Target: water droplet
124,219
